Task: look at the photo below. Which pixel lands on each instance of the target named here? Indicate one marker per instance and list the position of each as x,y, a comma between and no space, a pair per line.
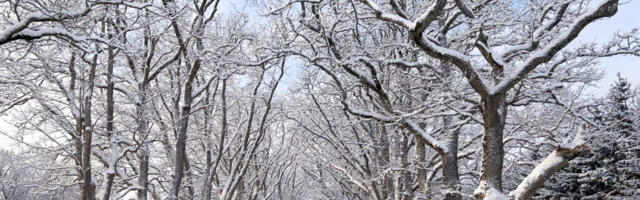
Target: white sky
5,128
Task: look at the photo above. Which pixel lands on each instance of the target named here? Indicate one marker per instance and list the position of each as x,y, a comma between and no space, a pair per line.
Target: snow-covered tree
390,99
496,54
622,176
609,170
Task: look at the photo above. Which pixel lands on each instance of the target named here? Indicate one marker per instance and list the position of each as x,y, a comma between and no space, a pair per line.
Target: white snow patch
489,193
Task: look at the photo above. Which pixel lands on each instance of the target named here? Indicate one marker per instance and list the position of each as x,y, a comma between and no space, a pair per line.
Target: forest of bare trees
314,99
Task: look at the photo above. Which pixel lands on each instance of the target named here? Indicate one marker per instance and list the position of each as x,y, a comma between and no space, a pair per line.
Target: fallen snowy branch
550,165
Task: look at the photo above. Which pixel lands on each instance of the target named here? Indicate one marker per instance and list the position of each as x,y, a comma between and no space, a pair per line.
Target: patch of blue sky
599,32
627,18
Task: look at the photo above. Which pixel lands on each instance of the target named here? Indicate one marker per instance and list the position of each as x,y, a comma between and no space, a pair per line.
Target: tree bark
88,189
143,151
110,175
206,183
450,175
181,140
421,170
401,175
494,114
384,161
555,161
141,115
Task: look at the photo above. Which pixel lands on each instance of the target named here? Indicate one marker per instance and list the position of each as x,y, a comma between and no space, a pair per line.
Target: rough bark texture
493,113
384,159
450,174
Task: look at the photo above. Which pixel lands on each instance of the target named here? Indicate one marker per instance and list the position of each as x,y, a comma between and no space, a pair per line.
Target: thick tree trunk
189,179
400,164
384,162
451,178
87,183
143,174
78,155
206,183
494,114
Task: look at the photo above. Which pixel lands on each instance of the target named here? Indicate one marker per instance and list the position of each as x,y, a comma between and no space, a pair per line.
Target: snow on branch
407,64
550,24
550,165
366,114
510,52
432,49
487,52
417,26
606,8
278,9
30,34
21,30
464,8
460,60
351,179
397,8
17,31
428,16
125,3
390,17
434,143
